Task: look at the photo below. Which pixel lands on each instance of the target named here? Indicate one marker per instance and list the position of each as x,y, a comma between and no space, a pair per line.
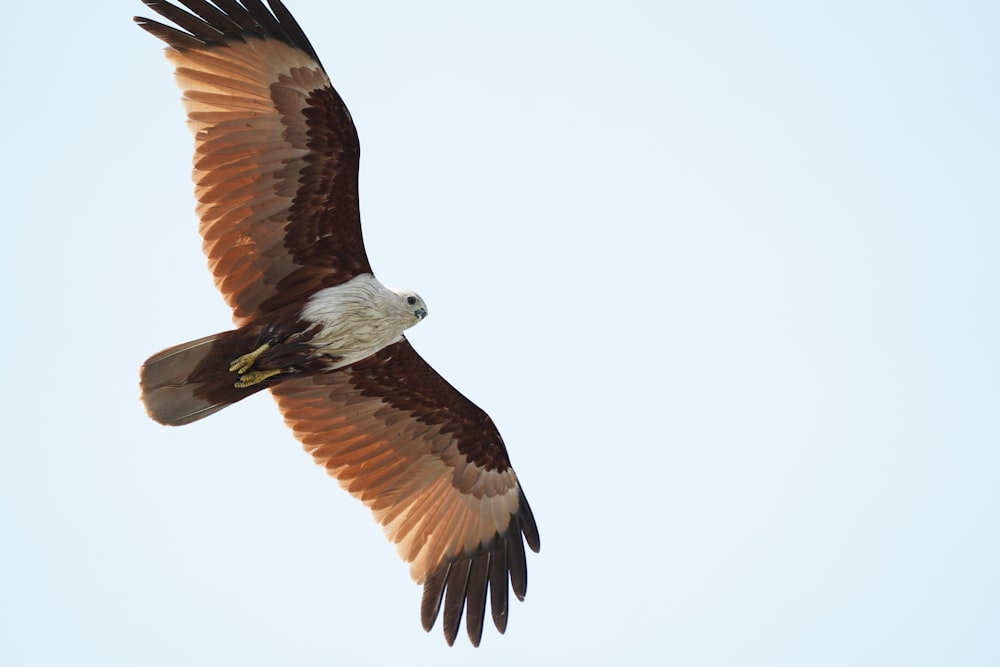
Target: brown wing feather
434,471
276,154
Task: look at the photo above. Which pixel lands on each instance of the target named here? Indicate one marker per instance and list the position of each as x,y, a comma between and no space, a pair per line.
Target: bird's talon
254,377
245,362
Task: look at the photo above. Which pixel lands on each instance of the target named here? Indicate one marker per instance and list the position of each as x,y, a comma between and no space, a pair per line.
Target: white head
413,303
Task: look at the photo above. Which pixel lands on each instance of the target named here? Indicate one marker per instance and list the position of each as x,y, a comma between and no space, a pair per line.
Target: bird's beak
421,313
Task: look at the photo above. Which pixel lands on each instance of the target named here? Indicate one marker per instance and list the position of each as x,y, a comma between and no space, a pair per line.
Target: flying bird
276,180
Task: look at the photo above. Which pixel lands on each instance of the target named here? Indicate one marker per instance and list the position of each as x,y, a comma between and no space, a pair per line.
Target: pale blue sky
725,274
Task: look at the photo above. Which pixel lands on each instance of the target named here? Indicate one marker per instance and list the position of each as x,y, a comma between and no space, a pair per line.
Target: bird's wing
276,153
434,471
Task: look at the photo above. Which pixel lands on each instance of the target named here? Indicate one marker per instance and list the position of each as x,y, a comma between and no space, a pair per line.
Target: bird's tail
191,381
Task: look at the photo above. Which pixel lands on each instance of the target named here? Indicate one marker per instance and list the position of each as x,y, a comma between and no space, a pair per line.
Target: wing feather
434,471
430,602
454,597
476,591
416,514
213,16
498,585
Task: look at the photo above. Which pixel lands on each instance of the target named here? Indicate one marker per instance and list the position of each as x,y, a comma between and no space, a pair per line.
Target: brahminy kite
276,180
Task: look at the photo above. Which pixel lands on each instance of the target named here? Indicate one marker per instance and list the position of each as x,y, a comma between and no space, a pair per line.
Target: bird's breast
355,319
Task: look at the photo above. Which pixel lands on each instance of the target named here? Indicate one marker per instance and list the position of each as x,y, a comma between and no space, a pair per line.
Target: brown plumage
276,180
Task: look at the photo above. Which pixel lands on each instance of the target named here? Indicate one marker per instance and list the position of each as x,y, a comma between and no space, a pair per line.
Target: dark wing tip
529,528
462,583
517,566
172,36
430,603
454,597
475,593
204,24
293,31
498,585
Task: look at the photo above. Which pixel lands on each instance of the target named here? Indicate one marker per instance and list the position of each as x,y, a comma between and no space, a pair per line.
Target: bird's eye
411,300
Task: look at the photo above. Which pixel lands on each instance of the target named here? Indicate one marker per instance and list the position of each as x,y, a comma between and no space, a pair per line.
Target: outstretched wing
276,153
434,471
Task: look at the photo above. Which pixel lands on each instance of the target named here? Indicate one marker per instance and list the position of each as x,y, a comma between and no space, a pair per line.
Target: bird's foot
244,363
249,379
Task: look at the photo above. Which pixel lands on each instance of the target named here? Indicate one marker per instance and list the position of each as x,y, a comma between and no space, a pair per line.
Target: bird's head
413,303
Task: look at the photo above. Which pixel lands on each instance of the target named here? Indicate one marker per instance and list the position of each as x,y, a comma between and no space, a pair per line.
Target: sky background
725,274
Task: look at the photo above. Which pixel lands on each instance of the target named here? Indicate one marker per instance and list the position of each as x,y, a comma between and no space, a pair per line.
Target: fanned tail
191,381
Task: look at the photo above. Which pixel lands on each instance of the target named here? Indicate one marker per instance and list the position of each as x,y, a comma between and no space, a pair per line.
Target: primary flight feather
276,180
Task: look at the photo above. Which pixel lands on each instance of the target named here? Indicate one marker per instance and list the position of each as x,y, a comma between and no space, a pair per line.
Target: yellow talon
242,364
254,377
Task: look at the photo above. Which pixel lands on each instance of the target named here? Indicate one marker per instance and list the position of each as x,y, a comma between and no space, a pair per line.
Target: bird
276,158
